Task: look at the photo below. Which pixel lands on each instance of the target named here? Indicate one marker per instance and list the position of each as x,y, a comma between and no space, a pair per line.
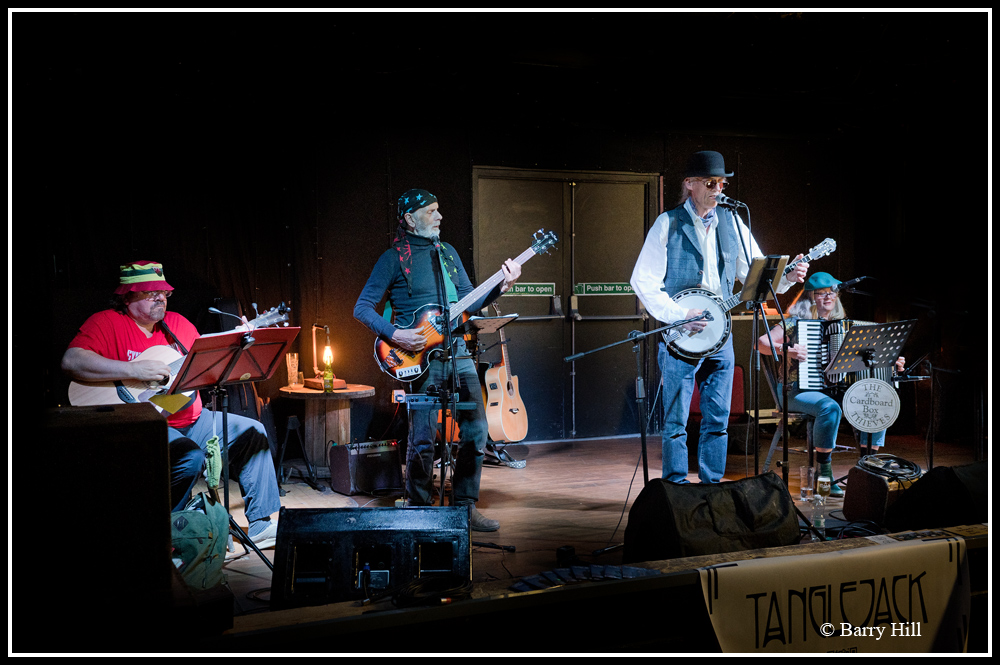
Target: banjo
695,345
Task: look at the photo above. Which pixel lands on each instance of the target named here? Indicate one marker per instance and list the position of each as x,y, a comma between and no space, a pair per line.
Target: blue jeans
250,461
473,429
827,414
714,375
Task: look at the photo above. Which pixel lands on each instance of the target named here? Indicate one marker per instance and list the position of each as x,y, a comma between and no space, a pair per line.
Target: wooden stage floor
568,493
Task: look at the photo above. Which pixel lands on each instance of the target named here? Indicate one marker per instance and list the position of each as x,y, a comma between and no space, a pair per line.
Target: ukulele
505,414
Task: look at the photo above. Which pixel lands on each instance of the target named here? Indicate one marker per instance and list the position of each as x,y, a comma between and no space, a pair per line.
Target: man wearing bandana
406,273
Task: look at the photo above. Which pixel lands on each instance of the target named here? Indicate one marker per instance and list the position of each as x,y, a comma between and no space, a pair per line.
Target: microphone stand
636,337
449,393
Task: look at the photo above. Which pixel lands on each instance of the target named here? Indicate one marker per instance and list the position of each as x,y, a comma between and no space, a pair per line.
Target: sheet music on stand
227,358
870,347
222,359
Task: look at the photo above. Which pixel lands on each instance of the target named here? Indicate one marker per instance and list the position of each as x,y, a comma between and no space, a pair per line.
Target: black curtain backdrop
259,157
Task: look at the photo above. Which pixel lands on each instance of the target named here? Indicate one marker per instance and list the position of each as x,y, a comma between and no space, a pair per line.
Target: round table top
352,391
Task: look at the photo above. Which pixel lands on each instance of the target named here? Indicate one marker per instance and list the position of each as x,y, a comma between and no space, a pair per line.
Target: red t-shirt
116,336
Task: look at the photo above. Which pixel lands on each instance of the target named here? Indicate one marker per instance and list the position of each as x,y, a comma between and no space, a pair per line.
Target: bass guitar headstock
543,241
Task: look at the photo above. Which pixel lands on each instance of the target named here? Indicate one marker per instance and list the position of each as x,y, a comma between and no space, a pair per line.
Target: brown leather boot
477,522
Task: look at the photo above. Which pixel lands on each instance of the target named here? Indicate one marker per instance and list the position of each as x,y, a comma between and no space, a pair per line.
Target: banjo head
714,336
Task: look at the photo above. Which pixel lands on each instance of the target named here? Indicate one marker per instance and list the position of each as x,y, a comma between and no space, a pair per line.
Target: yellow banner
894,597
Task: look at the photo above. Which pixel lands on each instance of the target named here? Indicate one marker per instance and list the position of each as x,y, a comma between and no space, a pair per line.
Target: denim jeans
827,414
468,463
250,461
714,375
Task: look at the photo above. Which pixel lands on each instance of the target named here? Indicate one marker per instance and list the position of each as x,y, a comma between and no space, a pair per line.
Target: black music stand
762,281
218,360
868,347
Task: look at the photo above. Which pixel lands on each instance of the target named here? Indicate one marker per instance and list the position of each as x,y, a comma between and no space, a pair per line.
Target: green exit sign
532,289
603,289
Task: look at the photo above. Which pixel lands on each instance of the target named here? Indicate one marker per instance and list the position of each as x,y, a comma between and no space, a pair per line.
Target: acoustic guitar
505,414
131,391
428,320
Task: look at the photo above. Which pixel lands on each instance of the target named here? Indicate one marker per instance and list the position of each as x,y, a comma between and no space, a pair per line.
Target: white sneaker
268,537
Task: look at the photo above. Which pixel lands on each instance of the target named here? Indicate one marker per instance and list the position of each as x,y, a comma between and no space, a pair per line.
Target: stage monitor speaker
329,555
870,493
101,516
365,468
673,520
943,497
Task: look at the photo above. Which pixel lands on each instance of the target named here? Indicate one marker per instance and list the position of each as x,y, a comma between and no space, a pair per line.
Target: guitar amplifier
869,494
365,468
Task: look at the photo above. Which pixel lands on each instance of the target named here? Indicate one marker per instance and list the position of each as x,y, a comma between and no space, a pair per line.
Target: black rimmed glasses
153,295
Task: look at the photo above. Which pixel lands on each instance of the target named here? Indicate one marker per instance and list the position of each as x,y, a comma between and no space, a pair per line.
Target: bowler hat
706,164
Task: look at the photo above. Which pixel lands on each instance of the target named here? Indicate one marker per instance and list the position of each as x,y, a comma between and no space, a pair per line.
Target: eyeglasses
829,294
153,295
712,182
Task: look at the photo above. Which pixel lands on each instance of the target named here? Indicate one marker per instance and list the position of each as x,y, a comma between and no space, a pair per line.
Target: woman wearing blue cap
821,301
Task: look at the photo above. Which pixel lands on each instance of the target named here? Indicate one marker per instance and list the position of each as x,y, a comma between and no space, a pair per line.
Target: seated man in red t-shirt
106,349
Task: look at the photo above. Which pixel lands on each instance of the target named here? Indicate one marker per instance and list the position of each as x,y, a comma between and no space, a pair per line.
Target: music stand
476,325
218,360
763,277
869,347
762,280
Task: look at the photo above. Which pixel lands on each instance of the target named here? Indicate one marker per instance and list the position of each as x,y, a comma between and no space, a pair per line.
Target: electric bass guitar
695,345
505,414
131,391
408,365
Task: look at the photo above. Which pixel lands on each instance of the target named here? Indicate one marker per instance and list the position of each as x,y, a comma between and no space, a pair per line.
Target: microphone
846,286
724,200
436,241
213,310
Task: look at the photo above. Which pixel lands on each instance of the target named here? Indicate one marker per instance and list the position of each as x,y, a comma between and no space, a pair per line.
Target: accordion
822,340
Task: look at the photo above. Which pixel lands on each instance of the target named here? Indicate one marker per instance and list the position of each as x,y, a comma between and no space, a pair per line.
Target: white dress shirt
650,268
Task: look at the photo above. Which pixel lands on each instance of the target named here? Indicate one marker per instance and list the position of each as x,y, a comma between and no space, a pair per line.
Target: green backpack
199,534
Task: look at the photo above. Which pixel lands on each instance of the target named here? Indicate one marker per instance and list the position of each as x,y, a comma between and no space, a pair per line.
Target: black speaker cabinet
328,555
672,520
98,517
365,468
944,496
869,494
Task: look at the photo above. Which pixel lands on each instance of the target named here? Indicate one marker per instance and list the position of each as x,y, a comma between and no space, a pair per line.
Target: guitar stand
293,424
503,458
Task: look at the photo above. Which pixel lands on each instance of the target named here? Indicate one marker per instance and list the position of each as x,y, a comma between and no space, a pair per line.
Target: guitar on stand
505,413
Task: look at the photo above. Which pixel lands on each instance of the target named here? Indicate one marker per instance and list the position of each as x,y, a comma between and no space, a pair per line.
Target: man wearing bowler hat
109,347
697,245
